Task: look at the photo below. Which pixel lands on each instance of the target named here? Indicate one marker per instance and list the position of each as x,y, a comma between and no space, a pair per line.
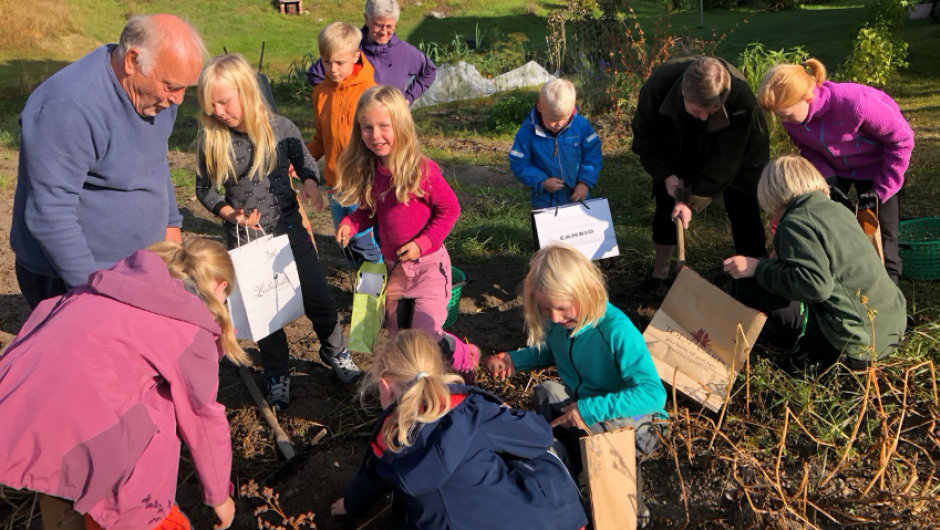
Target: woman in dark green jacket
700,134
826,292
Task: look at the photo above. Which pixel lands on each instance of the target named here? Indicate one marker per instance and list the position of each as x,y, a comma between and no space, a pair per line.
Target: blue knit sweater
607,367
94,182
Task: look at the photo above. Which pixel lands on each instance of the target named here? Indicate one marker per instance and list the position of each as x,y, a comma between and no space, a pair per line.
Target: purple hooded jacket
97,384
395,64
858,132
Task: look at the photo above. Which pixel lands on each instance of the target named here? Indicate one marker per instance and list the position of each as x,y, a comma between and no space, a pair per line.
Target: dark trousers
319,306
747,228
37,287
889,218
792,326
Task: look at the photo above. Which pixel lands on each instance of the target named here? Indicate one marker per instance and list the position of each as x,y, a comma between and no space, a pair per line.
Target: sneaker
343,366
279,392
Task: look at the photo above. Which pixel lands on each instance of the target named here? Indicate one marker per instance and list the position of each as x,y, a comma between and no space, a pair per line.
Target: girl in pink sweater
382,169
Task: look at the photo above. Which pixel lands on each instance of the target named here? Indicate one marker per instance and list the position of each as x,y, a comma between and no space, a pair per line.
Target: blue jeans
364,245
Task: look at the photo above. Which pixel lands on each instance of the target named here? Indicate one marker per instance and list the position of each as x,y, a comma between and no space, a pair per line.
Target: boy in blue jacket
556,153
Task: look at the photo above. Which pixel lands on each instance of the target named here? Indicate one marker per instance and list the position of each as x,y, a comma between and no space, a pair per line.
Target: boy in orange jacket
348,75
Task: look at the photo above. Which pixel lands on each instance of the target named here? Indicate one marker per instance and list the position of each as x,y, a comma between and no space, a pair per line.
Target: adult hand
868,200
682,211
310,193
740,266
251,221
410,251
553,184
343,233
580,192
571,417
674,183
225,513
174,234
338,507
500,365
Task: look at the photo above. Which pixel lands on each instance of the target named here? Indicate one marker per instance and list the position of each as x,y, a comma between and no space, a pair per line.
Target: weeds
272,508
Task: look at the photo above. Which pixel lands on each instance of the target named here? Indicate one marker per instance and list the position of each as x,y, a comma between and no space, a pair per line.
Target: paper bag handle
238,238
680,237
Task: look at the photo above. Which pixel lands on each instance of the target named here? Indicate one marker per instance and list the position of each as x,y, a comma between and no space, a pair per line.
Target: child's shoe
463,356
343,366
279,392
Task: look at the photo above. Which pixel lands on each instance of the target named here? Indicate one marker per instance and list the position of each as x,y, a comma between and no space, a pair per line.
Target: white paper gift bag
267,295
586,225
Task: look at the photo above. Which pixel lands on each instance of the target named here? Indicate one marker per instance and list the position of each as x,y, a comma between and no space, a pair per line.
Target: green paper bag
368,313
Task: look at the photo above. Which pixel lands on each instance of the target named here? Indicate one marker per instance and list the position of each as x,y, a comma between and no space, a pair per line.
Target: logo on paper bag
576,234
700,337
279,282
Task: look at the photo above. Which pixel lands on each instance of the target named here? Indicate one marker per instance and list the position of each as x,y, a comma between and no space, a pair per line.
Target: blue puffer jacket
574,156
483,465
607,366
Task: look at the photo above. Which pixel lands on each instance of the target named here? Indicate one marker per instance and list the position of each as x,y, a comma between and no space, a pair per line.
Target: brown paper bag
609,460
868,220
700,337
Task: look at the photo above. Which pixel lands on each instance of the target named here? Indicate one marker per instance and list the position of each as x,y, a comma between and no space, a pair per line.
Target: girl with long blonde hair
101,384
608,379
437,440
245,151
404,193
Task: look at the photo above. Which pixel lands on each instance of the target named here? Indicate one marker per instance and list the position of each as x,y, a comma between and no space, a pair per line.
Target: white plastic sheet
460,81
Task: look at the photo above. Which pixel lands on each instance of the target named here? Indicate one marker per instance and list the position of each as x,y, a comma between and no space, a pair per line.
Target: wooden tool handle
680,237
280,437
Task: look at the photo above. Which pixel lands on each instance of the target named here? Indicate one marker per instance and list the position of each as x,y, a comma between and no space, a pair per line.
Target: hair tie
420,376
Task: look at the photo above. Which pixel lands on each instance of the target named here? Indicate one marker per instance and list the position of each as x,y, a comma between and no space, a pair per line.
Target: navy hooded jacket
483,465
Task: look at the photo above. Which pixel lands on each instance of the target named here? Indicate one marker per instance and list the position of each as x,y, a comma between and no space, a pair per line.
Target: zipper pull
556,147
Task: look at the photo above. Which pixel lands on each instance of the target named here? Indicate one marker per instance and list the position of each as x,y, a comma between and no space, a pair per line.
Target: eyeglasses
380,27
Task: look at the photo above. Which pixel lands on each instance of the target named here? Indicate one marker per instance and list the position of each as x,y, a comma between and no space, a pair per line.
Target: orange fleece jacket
334,108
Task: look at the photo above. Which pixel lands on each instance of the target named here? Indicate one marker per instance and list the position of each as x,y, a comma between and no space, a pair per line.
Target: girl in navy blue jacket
454,456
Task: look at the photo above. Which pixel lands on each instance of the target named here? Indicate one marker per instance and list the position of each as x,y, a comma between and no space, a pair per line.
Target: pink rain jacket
96,386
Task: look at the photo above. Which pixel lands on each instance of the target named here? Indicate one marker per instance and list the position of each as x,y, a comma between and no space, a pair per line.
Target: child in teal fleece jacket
607,374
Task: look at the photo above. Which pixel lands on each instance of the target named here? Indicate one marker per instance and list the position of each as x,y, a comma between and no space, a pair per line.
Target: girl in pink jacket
382,169
102,382
853,134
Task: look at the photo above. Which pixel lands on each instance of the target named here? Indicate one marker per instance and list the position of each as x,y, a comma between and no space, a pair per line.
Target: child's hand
571,417
310,194
409,251
251,221
338,507
342,234
740,266
682,211
553,184
580,192
500,365
225,513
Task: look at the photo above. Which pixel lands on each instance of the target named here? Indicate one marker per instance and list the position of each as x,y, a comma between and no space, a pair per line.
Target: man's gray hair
148,37
382,9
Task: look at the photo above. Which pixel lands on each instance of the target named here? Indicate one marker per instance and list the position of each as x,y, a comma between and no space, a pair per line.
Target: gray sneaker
343,366
279,392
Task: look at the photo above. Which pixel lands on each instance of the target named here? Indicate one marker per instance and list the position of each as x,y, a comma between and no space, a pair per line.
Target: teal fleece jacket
606,366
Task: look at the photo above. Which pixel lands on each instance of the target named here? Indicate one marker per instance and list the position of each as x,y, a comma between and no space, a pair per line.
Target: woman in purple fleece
853,134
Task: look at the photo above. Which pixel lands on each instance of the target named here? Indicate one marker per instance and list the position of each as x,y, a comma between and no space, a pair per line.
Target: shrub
509,112
878,51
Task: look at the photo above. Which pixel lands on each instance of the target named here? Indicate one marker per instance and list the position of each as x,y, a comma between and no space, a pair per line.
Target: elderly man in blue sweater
94,181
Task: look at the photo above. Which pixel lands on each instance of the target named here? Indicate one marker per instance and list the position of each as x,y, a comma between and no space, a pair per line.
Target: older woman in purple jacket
396,62
853,134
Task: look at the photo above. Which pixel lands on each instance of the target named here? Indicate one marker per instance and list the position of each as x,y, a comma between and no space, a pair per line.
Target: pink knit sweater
426,220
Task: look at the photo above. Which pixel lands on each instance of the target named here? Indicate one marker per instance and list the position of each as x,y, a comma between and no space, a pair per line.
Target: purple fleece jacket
858,132
395,63
97,390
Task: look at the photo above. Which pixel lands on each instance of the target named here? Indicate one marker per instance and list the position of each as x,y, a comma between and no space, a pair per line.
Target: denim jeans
364,245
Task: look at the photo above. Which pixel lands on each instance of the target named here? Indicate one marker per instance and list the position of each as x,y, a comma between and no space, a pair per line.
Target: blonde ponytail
200,262
786,85
412,362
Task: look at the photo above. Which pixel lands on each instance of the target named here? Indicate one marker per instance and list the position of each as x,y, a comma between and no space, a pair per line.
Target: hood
143,281
375,48
533,123
436,452
366,74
